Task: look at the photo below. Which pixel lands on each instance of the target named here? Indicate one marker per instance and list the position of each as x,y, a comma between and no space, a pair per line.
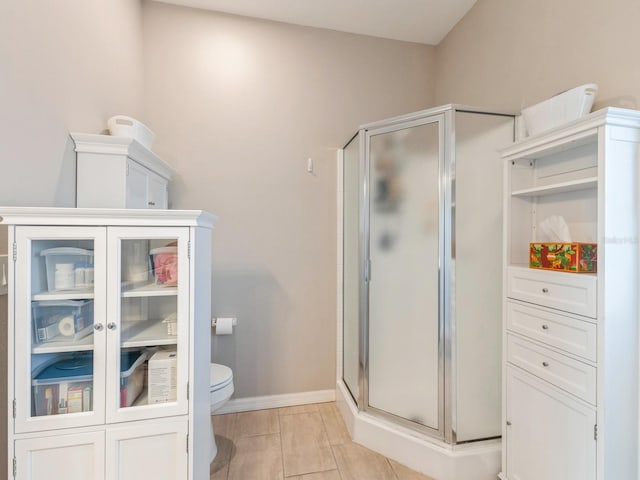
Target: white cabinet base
157,451
559,444
78,456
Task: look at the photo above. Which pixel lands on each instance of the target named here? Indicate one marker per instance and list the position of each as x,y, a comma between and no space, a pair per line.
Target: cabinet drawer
571,292
566,373
556,329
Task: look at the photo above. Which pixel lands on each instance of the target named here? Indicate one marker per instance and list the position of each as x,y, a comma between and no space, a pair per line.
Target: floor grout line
325,416
393,470
281,448
333,454
326,434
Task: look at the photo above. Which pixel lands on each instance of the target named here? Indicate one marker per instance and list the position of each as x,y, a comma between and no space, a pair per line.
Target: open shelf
555,188
64,295
146,334
149,290
82,345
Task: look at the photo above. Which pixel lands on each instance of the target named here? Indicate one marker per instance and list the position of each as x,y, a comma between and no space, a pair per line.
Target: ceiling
422,21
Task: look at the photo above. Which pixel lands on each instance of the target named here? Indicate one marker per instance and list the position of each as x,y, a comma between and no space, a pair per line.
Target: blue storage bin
66,385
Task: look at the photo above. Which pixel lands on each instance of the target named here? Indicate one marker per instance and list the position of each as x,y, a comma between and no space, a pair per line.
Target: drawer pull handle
545,327
151,204
545,290
545,364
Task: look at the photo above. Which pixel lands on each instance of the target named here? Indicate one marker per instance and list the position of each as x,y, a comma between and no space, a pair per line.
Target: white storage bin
68,268
122,126
62,320
562,108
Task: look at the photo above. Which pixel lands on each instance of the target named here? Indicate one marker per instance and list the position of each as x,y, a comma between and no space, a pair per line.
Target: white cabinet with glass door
109,313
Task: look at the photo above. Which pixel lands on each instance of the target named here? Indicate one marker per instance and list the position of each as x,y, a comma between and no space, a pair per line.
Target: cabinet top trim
111,145
105,217
580,131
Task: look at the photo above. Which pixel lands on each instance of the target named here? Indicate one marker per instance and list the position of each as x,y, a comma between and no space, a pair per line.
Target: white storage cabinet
119,172
78,396
570,394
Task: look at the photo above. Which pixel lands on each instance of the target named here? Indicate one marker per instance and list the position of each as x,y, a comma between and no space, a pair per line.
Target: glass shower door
404,337
351,186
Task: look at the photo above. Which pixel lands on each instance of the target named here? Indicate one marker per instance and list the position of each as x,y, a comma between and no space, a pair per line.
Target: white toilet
220,390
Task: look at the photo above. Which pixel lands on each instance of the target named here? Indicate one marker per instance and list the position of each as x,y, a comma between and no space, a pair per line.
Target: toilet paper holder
214,321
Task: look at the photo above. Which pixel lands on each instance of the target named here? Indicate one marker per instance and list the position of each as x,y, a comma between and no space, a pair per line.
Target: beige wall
238,106
64,65
510,54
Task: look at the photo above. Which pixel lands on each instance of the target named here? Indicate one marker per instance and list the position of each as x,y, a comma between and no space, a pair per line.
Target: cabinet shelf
555,188
146,334
82,345
149,290
524,266
64,295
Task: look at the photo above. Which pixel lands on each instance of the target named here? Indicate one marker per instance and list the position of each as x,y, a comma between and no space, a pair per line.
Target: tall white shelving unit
83,400
570,405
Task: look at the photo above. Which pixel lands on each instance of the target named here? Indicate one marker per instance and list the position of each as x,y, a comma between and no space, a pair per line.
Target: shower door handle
367,270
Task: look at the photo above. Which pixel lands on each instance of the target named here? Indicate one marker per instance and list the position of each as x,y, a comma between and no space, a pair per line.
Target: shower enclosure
422,277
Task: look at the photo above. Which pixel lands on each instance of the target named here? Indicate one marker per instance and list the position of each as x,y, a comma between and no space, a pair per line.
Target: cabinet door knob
508,423
98,327
545,327
151,204
545,364
111,325
545,290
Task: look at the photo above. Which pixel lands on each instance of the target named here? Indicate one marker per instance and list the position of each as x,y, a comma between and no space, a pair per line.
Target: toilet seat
221,376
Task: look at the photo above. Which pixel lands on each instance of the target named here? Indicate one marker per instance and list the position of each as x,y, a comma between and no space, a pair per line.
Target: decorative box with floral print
566,257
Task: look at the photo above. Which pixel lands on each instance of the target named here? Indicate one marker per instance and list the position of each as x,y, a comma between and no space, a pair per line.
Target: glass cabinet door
59,329
147,322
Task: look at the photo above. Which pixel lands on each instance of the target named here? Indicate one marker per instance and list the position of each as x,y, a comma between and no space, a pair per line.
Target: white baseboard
248,404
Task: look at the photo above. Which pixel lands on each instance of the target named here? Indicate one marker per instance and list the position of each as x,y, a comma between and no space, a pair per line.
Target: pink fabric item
166,268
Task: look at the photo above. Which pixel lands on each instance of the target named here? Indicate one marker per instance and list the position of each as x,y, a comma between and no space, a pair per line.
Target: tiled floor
308,442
